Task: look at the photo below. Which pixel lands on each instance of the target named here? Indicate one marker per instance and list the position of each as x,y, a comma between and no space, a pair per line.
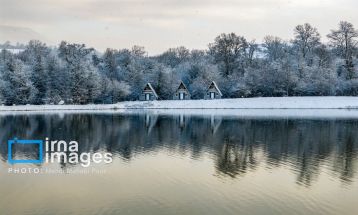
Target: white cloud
160,24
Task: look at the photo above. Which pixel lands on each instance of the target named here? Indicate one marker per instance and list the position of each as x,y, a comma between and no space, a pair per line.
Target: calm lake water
186,164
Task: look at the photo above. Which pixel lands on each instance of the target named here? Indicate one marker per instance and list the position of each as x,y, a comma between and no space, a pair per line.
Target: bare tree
138,51
253,47
306,38
227,50
274,47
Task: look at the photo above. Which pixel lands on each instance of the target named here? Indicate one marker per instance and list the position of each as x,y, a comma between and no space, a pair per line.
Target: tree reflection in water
237,145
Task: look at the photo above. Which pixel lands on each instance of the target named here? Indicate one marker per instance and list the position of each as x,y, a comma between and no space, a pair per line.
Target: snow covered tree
39,78
2,88
76,74
274,48
205,74
276,79
134,75
316,82
16,87
174,56
79,64
35,55
57,83
110,64
324,56
345,41
160,78
306,39
228,51
252,50
138,51
120,90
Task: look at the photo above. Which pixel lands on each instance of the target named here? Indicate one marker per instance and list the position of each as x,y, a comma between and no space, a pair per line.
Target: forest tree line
76,74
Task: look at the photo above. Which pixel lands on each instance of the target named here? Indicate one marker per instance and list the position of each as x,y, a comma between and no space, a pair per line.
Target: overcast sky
161,24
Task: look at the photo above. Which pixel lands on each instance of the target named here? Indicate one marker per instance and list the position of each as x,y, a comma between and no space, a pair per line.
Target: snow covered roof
182,87
148,85
213,84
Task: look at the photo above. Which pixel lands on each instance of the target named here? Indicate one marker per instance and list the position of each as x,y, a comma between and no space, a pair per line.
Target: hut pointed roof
214,85
182,86
148,86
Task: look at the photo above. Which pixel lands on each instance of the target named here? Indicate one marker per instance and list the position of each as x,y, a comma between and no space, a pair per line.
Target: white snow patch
15,51
344,102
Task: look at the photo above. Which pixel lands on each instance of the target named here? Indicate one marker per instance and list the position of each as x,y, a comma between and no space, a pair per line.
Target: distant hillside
19,34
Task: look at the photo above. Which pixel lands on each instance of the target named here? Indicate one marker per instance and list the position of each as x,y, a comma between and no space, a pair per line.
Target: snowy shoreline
268,107
330,102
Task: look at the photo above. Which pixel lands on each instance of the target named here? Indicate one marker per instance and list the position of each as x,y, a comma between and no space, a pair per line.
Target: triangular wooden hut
182,93
213,92
148,93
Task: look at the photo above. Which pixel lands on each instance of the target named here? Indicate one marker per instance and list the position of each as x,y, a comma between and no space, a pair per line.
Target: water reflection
236,145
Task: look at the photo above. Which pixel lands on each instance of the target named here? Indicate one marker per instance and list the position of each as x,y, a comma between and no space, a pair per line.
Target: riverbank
329,102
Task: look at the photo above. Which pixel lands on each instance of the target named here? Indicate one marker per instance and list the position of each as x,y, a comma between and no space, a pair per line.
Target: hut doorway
181,96
212,95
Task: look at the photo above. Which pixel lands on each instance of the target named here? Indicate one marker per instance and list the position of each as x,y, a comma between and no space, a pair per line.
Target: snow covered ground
251,103
278,107
330,102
